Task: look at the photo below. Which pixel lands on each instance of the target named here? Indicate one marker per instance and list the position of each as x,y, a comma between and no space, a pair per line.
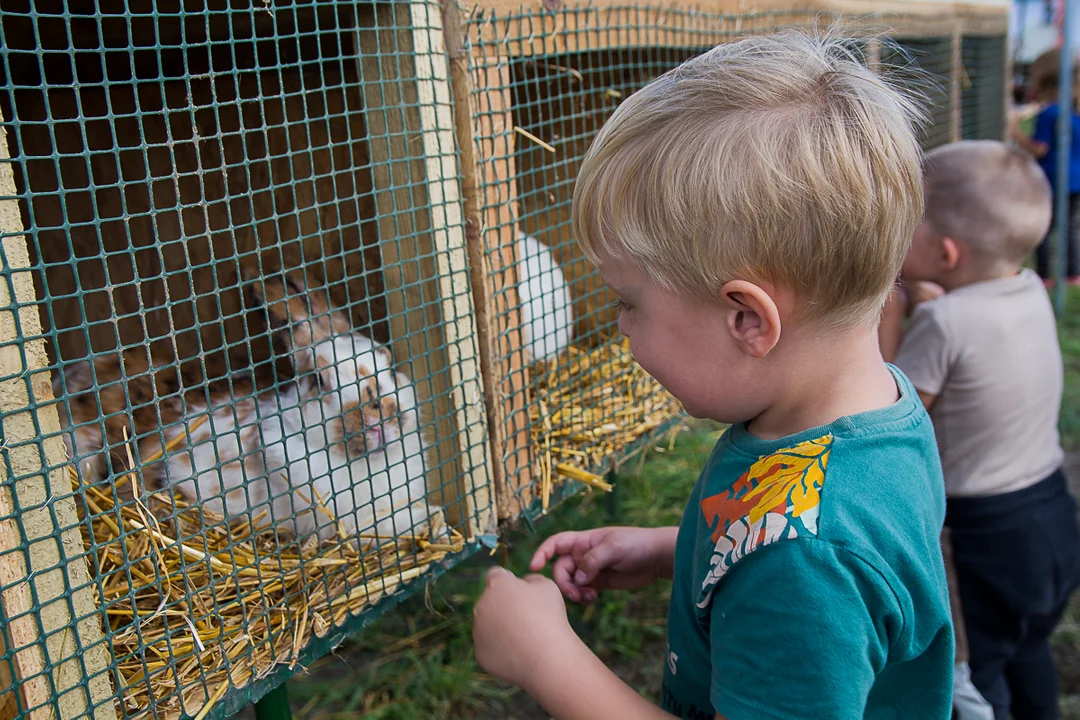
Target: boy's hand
519,626
922,291
620,558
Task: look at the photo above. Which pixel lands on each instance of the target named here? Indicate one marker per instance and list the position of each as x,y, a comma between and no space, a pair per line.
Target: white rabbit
344,435
547,312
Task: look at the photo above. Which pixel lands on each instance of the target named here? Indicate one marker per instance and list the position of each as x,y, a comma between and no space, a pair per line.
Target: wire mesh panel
243,279
573,403
932,60
983,87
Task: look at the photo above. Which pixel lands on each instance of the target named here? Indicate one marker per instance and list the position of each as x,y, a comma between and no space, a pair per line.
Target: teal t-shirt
809,580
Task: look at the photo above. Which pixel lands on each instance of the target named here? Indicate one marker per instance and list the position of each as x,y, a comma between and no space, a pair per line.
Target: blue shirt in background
1046,132
809,582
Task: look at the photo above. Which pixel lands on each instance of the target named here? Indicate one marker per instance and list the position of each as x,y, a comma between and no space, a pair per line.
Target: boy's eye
622,305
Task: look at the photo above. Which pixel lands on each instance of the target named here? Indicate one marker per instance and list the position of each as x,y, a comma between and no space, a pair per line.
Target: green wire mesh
983,86
584,404
242,261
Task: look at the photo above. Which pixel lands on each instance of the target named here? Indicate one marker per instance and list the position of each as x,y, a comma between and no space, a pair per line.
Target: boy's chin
698,412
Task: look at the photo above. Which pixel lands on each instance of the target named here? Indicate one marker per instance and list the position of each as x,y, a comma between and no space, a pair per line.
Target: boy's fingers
495,573
561,572
602,556
560,544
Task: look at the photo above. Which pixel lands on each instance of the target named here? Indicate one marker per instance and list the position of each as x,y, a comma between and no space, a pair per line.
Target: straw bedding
202,607
191,618
589,407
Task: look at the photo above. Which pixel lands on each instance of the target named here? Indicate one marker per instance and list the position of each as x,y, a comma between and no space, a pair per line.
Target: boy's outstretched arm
522,635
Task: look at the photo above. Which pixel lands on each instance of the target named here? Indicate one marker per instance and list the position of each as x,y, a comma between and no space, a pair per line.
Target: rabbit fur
546,306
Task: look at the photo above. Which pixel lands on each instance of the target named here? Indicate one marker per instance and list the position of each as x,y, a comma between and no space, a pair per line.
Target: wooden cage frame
483,107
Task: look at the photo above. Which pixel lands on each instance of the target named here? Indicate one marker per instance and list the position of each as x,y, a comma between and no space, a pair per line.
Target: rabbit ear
326,378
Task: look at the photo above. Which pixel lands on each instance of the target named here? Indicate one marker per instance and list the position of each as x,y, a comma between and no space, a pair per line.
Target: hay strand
525,133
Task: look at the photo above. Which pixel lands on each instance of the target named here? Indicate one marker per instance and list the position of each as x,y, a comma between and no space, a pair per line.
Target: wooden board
489,184
59,661
957,77
423,251
547,27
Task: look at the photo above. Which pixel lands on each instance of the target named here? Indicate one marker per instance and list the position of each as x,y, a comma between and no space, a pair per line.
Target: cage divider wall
544,77
429,284
339,161
482,116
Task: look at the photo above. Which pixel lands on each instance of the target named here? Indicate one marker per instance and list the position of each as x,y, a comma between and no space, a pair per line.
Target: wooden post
485,140
53,628
407,105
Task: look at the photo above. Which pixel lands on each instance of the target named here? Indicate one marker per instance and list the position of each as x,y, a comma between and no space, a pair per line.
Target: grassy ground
1067,639
417,661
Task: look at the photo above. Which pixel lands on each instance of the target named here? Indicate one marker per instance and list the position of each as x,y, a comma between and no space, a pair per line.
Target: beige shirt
989,352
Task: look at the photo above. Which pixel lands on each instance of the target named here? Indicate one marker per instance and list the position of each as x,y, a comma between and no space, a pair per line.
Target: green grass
1070,352
417,661
1067,638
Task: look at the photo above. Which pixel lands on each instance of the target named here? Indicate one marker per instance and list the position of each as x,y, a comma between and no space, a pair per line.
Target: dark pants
1046,253
1017,561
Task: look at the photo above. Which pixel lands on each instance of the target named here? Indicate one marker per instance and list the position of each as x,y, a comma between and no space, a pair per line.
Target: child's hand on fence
619,558
518,625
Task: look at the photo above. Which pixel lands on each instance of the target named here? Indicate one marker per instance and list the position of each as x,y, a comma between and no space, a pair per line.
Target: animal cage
568,402
241,407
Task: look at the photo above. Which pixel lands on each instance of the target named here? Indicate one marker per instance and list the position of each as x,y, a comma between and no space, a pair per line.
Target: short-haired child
985,359
1043,145
751,209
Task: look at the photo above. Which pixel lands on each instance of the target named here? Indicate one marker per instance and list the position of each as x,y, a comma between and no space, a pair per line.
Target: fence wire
572,392
238,266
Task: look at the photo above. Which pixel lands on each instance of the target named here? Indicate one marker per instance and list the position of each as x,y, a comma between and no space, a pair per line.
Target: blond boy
985,359
751,210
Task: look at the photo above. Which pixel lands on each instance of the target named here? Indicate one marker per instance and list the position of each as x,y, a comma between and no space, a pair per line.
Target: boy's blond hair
992,198
776,158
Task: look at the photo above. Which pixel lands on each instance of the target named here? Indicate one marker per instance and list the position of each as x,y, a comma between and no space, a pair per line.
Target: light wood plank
485,140
423,251
56,657
593,25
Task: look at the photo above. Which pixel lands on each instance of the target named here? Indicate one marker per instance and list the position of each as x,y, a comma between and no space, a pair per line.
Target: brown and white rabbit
259,457
362,454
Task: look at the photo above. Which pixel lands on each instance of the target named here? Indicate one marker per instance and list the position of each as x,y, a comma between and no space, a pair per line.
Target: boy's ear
949,256
752,317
